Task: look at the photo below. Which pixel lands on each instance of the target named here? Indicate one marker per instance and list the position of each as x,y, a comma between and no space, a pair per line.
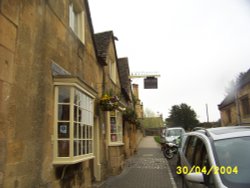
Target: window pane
79,115
64,93
83,116
71,17
63,130
112,124
113,137
80,131
63,148
63,112
83,131
90,132
87,146
76,147
75,113
77,98
82,148
87,131
75,130
90,146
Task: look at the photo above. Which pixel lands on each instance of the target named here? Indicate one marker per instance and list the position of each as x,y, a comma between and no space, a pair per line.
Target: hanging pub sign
150,83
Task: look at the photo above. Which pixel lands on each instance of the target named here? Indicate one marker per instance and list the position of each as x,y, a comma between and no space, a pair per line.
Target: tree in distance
182,116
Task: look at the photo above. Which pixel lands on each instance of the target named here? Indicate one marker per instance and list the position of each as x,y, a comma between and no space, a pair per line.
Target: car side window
190,149
204,163
199,147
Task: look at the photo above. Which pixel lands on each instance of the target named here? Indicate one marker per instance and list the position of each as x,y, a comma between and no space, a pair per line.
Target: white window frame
112,70
115,128
77,22
83,123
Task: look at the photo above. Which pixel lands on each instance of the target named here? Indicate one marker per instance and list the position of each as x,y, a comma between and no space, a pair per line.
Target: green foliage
152,122
183,116
109,103
130,115
158,139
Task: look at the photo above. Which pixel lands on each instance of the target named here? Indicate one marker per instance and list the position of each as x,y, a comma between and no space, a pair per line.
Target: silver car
173,133
216,158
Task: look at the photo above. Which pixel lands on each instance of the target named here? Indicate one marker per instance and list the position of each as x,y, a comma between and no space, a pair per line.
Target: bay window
73,124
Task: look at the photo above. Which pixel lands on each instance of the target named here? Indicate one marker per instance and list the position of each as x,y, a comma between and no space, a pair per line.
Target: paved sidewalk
147,169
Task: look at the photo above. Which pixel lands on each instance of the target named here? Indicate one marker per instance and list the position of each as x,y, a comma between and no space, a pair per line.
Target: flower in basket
109,103
130,115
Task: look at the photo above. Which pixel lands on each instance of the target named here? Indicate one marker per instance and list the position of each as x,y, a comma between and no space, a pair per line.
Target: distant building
235,108
152,125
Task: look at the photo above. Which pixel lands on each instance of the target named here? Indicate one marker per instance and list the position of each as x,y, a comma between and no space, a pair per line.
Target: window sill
70,160
116,144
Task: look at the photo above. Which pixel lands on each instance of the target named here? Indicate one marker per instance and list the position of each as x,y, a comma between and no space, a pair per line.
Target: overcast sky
197,46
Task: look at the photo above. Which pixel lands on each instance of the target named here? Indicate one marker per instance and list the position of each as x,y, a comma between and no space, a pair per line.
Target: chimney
136,91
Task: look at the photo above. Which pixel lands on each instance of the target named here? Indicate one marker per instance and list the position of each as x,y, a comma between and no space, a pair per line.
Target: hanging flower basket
130,115
109,103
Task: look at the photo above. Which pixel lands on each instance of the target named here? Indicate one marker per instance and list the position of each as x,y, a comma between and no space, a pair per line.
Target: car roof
172,128
226,132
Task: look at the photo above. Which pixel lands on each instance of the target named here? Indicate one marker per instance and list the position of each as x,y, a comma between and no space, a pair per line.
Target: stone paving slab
147,169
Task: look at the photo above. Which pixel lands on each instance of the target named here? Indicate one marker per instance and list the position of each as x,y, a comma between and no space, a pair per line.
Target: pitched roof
91,25
123,68
245,79
230,98
102,41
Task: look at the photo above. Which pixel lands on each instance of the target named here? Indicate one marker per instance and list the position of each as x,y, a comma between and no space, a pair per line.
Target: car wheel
168,153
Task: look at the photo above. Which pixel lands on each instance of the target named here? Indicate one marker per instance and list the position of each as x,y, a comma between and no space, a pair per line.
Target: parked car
216,158
171,134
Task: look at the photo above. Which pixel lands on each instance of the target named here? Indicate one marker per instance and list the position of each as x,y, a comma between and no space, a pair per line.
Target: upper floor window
77,21
245,106
73,125
112,70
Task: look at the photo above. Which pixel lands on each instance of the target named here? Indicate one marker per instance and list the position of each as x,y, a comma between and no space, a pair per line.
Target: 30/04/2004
206,170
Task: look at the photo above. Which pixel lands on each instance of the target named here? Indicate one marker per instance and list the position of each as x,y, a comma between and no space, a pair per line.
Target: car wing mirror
195,177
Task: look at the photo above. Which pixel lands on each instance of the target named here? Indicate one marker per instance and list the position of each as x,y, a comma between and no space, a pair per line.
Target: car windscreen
232,157
174,132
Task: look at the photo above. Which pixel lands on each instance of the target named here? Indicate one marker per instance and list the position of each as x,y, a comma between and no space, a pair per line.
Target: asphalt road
172,163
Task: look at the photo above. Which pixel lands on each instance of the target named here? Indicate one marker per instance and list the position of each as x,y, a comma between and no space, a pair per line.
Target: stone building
152,126
55,77
235,108
129,115
113,150
51,81
137,101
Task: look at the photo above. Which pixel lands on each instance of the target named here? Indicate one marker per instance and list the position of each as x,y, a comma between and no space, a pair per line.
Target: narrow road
147,169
